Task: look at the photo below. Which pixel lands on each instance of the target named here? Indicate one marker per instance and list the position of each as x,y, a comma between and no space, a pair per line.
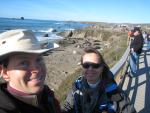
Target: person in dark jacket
23,69
96,90
135,50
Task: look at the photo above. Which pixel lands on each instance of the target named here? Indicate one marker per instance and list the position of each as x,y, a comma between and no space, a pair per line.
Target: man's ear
3,73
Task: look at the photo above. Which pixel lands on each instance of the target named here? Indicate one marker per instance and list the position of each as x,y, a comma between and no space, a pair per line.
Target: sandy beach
61,63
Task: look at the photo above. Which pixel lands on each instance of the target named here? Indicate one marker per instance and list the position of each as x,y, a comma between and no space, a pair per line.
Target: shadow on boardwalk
138,88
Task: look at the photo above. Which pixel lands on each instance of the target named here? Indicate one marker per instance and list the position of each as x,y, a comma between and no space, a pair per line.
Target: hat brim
39,51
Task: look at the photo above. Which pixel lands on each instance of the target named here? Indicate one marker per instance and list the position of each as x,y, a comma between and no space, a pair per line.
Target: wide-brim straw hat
21,41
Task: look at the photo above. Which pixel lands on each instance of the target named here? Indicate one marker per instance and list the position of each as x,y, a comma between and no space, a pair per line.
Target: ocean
40,27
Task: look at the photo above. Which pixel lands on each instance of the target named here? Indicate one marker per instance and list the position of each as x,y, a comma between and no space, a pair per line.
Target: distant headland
21,18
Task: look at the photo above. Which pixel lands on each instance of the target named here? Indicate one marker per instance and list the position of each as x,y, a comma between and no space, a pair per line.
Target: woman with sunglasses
96,91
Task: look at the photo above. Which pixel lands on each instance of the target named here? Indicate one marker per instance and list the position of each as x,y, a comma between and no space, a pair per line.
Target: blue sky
131,11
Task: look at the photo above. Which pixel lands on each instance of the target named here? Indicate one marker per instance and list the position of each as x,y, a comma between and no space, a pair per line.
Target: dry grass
65,86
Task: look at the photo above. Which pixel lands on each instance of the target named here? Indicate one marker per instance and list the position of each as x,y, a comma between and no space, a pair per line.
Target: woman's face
26,73
92,67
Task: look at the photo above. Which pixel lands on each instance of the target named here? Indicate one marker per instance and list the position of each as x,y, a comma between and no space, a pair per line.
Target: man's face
26,73
93,67
136,33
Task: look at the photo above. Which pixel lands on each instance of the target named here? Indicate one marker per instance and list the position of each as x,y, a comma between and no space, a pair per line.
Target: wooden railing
120,65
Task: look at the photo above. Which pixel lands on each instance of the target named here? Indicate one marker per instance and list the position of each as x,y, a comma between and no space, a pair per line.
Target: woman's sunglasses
87,65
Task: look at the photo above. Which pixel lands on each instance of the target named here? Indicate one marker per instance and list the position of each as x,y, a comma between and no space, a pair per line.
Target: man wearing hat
23,69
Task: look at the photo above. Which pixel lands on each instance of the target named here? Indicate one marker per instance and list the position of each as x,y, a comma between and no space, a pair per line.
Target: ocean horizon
40,27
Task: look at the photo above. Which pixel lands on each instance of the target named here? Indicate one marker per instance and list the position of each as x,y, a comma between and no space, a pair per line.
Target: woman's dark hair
106,68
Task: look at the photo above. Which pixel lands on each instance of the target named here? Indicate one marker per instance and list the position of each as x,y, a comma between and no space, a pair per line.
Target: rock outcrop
95,35
22,18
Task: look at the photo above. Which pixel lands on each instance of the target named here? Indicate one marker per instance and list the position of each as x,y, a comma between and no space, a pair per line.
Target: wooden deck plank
138,88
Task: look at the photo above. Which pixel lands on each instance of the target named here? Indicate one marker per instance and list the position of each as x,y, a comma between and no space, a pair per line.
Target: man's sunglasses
87,65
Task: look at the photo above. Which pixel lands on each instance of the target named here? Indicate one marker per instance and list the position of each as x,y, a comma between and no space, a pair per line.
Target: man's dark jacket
10,104
137,44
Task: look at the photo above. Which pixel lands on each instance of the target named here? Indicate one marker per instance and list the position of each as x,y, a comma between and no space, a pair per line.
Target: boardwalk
138,88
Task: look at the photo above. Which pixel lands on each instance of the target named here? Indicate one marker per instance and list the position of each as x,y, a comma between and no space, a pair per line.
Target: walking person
148,42
130,37
96,91
135,50
145,35
23,69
